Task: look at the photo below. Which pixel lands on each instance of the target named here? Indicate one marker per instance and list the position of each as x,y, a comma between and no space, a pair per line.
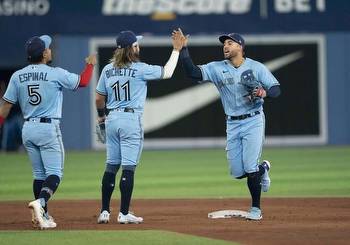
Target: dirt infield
286,220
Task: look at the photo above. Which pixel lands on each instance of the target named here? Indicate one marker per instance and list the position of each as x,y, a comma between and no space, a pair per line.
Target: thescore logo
24,7
182,7
205,7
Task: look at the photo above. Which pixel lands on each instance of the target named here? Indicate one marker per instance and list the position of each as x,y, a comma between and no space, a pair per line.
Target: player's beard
49,60
231,55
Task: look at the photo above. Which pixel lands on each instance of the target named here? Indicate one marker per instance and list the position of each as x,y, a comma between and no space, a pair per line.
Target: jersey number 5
35,97
125,87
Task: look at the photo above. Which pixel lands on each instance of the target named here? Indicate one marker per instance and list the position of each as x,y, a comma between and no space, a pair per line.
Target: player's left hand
259,92
91,59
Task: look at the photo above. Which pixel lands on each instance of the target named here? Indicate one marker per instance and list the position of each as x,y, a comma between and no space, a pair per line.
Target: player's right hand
177,40
184,38
91,59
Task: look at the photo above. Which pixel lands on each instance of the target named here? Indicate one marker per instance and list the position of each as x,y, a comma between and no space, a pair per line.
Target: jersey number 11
125,87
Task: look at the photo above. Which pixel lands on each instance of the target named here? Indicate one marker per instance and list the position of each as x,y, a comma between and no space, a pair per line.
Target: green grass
103,237
296,172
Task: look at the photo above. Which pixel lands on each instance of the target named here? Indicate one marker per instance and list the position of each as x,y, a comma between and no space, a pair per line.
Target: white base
227,214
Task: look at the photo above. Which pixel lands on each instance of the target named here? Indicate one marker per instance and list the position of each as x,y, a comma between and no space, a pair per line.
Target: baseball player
243,106
38,90
123,85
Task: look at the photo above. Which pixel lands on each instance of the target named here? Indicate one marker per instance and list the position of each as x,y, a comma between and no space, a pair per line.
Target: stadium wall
338,79
70,51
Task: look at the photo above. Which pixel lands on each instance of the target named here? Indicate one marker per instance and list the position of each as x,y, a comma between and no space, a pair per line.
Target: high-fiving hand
177,40
91,59
183,38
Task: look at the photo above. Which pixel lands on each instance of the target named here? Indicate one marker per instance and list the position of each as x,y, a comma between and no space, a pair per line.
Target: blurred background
305,43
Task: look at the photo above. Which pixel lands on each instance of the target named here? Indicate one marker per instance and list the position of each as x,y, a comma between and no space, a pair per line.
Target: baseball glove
251,84
101,132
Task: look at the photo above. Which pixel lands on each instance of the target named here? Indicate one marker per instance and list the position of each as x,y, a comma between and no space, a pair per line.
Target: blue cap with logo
234,37
35,46
127,38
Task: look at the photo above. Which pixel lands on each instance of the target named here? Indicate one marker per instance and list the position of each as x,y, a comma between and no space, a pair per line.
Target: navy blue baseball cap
127,38
234,37
35,46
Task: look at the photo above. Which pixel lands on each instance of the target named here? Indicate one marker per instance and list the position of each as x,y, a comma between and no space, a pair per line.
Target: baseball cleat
265,178
129,219
39,220
103,218
254,213
35,223
50,222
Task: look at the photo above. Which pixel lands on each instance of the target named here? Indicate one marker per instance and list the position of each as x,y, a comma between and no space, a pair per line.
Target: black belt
41,119
241,117
126,109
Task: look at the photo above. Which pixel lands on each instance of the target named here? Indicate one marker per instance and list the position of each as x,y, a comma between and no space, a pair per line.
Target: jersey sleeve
266,78
101,85
11,94
151,72
208,72
66,79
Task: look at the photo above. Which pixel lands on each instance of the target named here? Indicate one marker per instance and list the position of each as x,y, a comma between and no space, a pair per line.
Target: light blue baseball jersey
127,87
227,80
38,89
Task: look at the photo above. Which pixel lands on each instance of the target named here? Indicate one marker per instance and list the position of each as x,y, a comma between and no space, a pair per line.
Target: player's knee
249,169
236,172
129,167
112,168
